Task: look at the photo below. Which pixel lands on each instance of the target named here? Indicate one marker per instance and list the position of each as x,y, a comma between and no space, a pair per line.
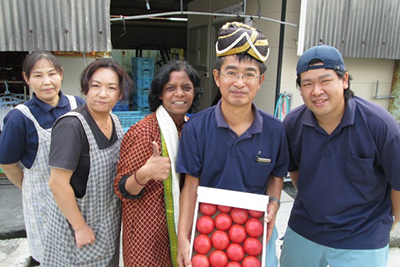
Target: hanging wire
282,106
199,13
123,28
84,57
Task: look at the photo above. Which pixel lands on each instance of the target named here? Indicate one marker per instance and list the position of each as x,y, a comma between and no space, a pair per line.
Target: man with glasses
234,145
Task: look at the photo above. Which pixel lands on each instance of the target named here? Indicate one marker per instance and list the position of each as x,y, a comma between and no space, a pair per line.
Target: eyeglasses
234,76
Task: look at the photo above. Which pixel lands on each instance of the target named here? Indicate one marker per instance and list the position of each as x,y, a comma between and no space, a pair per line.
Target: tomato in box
251,261
256,213
237,233
252,246
202,244
205,224
235,252
208,209
224,209
254,227
220,240
223,222
218,258
239,216
233,264
200,260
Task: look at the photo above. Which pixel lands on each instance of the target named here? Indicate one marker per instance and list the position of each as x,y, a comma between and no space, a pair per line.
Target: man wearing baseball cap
233,145
344,161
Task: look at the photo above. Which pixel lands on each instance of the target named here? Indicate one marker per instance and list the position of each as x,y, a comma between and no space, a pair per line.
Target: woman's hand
84,236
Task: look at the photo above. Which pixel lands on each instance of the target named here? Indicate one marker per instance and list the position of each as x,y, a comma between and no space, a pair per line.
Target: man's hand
270,218
183,253
395,221
84,236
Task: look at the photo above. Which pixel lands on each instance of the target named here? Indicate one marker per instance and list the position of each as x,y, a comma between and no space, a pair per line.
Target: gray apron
100,207
35,187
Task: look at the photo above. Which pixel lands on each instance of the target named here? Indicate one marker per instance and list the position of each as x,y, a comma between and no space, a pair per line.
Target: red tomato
239,216
223,222
218,258
220,240
252,246
235,252
205,224
233,264
251,261
199,260
237,233
256,213
254,227
202,244
224,209
208,209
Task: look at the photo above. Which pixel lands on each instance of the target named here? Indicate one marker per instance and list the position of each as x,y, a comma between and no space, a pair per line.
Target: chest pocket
360,170
258,174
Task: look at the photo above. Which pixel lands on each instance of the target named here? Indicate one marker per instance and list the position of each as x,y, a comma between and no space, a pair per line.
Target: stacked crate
122,105
143,72
129,118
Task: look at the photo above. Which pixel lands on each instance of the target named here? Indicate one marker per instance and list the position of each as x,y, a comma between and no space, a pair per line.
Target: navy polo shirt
211,151
345,178
19,139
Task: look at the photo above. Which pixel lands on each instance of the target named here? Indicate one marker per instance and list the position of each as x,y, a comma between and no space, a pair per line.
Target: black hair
162,77
125,81
241,57
348,93
31,59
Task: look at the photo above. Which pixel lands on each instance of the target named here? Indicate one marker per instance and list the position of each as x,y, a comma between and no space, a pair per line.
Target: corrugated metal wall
358,28
55,25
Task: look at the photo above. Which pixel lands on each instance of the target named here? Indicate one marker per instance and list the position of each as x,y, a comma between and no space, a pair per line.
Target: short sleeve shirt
345,178
19,139
69,149
211,151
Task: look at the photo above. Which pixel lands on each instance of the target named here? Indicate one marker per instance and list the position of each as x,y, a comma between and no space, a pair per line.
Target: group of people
81,175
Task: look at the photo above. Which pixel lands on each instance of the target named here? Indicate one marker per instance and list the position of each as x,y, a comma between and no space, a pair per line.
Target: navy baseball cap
329,55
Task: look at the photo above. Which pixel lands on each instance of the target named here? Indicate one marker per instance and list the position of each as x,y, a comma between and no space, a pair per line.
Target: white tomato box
234,199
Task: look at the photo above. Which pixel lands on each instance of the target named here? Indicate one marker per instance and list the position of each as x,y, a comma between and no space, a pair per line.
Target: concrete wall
73,66
365,72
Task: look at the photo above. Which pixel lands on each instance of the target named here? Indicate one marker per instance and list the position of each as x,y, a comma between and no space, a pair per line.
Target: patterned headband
239,38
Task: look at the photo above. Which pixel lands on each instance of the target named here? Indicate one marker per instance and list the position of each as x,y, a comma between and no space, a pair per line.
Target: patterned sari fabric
145,232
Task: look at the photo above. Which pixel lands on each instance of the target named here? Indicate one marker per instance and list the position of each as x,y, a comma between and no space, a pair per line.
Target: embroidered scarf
169,147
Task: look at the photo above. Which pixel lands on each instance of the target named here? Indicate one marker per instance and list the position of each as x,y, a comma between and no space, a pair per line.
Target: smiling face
104,91
45,81
323,93
177,95
238,92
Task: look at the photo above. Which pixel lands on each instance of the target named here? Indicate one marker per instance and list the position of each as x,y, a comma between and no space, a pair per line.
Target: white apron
100,207
35,186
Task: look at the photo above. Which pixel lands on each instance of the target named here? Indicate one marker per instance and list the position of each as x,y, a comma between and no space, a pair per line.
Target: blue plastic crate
143,83
142,73
122,105
141,93
141,101
145,110
143,63
129,118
